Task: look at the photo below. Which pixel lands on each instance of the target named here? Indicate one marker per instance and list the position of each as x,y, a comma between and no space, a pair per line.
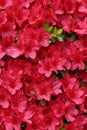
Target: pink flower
71,126
70,6
67,23
49,119
82,120
15,119
20,15
58,108
39,89
77,63
70,111
57,6
9,47
81,25
45,67
5,3
43,37
4,98
83,6
83,75
75,94
1,116
7,29
28,45
11,80
57,87
3,18
37,15
72,90
37,123
27,3
19,102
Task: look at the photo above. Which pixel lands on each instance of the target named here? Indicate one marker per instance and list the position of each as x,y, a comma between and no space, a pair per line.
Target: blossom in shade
5,98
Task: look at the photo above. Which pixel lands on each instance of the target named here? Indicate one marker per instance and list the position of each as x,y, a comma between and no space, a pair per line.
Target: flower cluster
43,64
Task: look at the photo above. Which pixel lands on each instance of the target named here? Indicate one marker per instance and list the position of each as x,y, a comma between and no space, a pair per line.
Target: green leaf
62,128
54,35
55,31
82,83
42,102
52,40
59,31
63,73
33,92
23,126
46,26
50,28
86,67
60,38
57,78
73,37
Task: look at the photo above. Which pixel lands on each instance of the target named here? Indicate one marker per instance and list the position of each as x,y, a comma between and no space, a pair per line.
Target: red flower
43,37
83,6
9,47
35,94
57,6
72,90
37,15
11,80
5,3
58,108
7,30
1,116
3,18
20,15
45,67
67,23
4,98
70,6
70,111
19,102
81,25
49,119
28,45
27,3
13,119
53,62
39,89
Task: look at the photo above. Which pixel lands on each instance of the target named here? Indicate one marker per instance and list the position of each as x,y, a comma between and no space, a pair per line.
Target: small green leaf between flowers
73,37
60,38
46,26
55,31
62,128
50,28
63,73
57,78
52,40
43,102
33,92
86,67
59,31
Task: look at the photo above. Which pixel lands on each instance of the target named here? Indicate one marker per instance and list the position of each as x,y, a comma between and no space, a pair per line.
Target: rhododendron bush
43,64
